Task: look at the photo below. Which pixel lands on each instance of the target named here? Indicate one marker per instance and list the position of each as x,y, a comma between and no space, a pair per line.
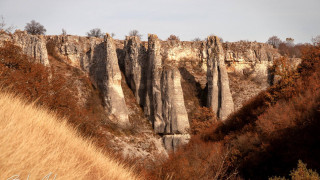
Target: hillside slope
33,142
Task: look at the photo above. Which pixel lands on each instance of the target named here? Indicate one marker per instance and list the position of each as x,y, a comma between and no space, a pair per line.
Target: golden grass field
34,144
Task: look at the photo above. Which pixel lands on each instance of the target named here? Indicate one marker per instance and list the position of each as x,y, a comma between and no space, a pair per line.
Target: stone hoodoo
31,45
135,64
111,79
162,95
219,95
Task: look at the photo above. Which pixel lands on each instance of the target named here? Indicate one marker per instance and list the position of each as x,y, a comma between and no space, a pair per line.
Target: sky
233,20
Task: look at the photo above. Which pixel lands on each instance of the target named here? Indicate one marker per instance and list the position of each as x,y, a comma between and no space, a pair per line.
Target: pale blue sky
233,20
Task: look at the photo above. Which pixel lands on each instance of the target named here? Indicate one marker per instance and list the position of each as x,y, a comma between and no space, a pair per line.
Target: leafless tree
290,42
96,32
3,25
197,39
173,38
64,32
274,41
113,35
35,28
135,33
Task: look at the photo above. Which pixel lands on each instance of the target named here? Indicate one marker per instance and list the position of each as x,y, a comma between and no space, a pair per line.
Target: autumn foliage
266,137
50,87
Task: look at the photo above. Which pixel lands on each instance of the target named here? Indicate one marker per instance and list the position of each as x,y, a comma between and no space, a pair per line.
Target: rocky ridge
154,72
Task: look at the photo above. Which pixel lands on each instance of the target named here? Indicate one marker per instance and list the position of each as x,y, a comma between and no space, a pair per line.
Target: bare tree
290,41
135,33
64,32
197,39
173,38
3,25
35,28
316,40
96,32
113,35
274,41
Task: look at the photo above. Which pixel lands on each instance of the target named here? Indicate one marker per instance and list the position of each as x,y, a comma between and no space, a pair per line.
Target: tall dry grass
34,143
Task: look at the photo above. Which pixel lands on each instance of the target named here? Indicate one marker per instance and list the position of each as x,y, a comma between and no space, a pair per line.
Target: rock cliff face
135,64
232,72
161,83
111,80
167,110
32,45
98,58
219,95
248,66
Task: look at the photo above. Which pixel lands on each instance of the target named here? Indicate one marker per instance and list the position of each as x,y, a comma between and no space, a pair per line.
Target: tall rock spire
112,90
219,95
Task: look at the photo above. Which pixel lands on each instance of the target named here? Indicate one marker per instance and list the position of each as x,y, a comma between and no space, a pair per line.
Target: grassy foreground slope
34,143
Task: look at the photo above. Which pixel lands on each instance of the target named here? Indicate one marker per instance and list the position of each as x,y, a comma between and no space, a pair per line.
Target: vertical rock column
154,105
135,64
165,102
219,95
112,90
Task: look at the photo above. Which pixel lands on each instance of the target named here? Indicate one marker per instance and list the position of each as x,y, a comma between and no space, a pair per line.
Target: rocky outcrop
164,101
219,95
31,45
111,79
98,58
251,59
135,64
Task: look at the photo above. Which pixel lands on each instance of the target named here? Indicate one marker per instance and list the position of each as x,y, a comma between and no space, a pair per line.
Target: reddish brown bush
50,87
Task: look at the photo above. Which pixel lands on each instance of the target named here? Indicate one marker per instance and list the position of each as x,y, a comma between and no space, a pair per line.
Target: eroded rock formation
111,79
164,103
135,64
219,95
98,58
31,45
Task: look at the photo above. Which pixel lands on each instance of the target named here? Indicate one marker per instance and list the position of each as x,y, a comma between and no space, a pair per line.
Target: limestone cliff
163,98
98,58
135,64
248,66
219,95
31,45
112,90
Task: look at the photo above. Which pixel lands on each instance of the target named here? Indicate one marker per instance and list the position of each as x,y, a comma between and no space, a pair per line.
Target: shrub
301,173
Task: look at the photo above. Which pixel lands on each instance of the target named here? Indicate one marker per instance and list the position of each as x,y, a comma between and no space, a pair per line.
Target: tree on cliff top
96,32
135,33
35,28
274,41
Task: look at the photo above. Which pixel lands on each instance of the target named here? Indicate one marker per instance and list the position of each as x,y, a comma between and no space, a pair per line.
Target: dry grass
34,143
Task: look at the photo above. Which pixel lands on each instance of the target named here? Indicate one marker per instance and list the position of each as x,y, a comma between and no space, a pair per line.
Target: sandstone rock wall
31,45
